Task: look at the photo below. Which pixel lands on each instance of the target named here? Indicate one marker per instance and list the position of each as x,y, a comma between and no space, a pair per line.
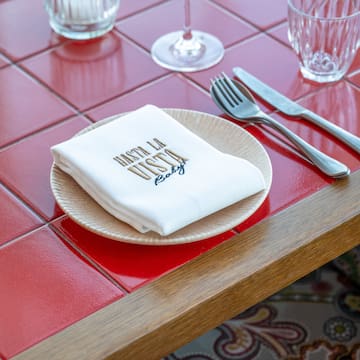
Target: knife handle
325,163
341,134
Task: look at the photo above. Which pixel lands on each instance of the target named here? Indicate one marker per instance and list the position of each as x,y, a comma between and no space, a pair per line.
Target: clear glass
82,19
325,36
187,50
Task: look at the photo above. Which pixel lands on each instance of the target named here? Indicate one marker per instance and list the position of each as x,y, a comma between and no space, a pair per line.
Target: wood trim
169,312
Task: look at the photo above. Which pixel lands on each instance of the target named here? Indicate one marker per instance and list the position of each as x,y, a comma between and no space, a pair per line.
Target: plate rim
144,239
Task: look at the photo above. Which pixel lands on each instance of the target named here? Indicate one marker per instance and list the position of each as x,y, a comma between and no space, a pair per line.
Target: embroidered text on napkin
143,162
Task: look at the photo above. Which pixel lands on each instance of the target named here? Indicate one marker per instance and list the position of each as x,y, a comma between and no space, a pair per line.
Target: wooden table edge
173,310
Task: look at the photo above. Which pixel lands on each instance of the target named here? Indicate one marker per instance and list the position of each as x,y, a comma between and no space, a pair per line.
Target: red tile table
67,293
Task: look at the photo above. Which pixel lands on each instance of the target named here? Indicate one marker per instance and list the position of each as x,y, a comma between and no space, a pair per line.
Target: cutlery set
235,99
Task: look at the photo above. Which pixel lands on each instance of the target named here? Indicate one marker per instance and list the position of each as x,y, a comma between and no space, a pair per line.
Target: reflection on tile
294,178
129,7
91,72
15,219
135,265
25,106
281,33
25,167
279,70
45,287
173,91
354,68
202,15
262,14
355,79
24,28
339,103
3,61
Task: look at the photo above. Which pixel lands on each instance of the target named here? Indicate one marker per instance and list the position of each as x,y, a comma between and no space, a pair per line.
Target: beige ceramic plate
222,134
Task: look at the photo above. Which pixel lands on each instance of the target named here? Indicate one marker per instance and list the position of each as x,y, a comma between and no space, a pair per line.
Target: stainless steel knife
291,108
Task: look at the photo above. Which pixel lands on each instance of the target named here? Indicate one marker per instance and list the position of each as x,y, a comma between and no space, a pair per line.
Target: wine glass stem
187,49
187,23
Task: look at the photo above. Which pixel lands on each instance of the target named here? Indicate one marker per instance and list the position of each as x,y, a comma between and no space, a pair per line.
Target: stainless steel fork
236,100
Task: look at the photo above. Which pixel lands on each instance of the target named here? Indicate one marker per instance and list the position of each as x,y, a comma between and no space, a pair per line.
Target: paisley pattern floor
316,318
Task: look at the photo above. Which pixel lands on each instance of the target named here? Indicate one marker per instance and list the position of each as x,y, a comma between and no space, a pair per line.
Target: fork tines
225,88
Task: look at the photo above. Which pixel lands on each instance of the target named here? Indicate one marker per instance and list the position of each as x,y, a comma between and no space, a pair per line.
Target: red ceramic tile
25,106
262,14
3,61
340,104
24,28
25,166
355,78
15,218
173,91
203,14
134,265
91,72
293,177
130,7
281,33
279,69
45,287
355,66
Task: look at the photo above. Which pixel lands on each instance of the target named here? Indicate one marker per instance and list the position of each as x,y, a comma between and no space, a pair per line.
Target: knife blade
291,108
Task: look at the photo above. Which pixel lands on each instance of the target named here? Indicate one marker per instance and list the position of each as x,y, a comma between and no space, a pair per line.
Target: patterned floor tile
315,318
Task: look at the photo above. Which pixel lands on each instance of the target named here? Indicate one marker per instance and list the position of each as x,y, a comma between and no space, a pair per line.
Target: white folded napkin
151,172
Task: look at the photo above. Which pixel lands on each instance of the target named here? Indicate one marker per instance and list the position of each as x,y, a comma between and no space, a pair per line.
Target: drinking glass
325,36
187,50
82,19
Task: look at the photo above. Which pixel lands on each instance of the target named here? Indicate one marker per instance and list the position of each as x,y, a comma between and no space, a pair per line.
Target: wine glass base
208,53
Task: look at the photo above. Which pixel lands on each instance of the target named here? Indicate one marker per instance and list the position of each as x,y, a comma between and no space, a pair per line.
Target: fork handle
325,163
343,135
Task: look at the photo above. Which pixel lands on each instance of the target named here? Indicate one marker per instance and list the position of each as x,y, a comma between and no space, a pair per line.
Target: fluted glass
82,19
325,36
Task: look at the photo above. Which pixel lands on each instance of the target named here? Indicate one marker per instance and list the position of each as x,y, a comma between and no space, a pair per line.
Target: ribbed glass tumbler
325,36
82,19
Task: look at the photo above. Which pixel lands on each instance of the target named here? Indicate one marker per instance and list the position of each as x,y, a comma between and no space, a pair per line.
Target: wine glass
187,50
